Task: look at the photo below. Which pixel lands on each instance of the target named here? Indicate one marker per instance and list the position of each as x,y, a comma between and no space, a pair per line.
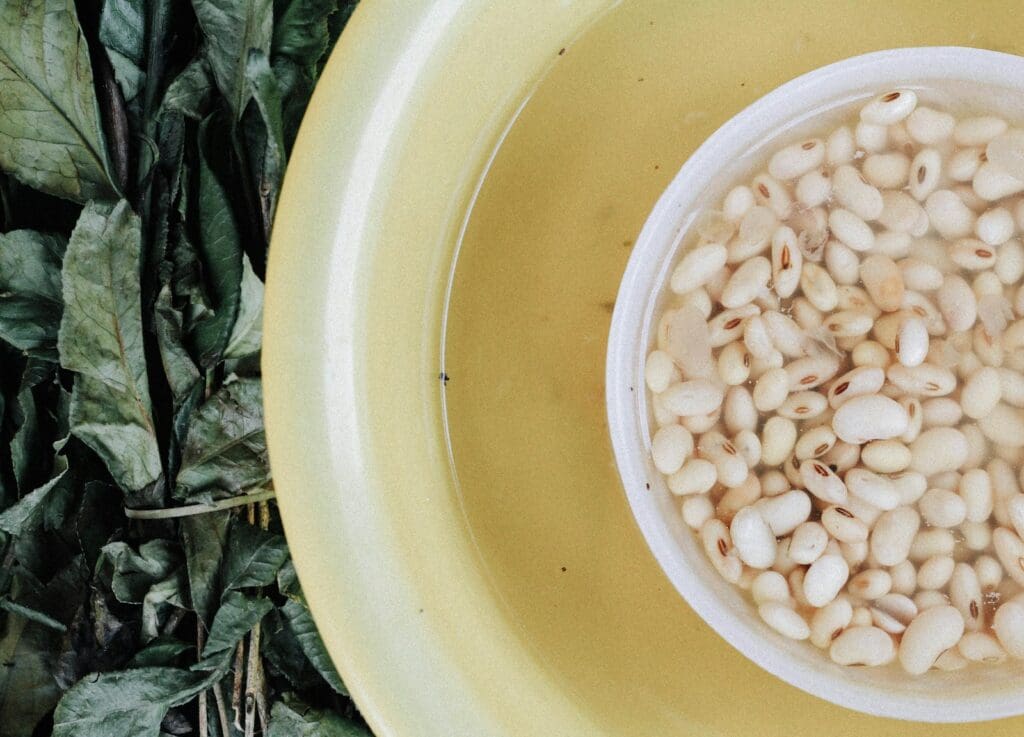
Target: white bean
870,417
928,635
863,645
840,146
811,371
670,447
697,476
771,193
814,188
1008,624
771,390
797,159
843,525
819,288
1015,511
890,107
948,214
911,341
976,491
787,261
828,622
935,572
777,440
769,586
1003,425
972,254
995,227
964,164
979,647
893,612
920,275
925,379
855,383
928,126
991,182
871,137
942,508
981,393
876,490
696,397
697,267
885,456
886,170
1009,266
989,572
1010,550
965,594
696,510
901,214
870,584
785,512
904,578
925,173
754,540
978,131
893,535
737,203
929,599
784,620
718,547
746,282
808,542
738,411
825,579
851,230
957,303
822,482
755,232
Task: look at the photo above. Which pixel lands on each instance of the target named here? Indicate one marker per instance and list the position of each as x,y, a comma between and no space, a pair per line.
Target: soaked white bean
837,387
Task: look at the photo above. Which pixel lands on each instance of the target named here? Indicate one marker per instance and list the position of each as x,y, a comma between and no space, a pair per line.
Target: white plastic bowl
983,79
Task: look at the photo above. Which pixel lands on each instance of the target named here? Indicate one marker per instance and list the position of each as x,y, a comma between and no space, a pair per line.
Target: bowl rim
627,343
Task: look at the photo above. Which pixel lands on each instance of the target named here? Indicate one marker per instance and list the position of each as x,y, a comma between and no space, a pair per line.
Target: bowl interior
958,78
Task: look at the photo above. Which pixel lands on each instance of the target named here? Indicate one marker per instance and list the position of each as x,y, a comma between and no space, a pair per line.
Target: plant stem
191,509
204,727
236,690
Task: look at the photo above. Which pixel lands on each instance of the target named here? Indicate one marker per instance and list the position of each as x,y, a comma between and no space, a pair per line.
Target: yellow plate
467,551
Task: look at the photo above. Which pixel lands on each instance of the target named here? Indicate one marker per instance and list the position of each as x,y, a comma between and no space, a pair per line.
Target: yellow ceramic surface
467,551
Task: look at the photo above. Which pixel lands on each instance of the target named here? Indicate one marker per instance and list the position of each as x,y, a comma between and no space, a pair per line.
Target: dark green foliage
144,144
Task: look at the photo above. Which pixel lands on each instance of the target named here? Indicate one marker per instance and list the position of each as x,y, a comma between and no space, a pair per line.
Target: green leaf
302,626
204,537
32,615
237,615
26,438
181,373
292,718
123,33
101,338
28,652
247,335
225,451
221,255
130,574
231,29
265,135
254,557
129,703
50,134
158,602
30,291
191,91
300,29
28,511
159,652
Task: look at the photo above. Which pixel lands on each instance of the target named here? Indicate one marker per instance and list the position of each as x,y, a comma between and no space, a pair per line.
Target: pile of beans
838,388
